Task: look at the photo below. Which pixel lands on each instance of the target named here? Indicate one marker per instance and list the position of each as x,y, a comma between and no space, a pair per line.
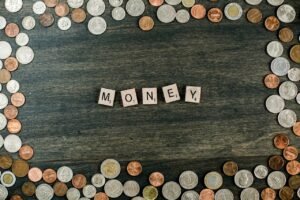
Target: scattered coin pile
63,182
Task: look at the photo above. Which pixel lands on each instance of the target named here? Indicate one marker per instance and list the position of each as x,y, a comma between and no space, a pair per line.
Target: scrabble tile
107,97
149,96
171,93
193,94
129,97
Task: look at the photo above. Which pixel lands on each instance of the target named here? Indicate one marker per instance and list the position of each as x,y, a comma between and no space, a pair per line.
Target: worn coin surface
110,168
5,161
295,53
224,194
261,171
150,192
276,180
268,194
22,39
250,193
28,189
292,167
294,74
286,193
281,141
198,11
79,181
113,188
89,191
188,180
275,2
207,194
49,176
118,13
8,179
274,49
3,192
280,66
64,174
287,118
233,11
294,182
213,180
95,7
51,3
276,162
254,15
17,99
166,13
134,168
131,188
73,193
75,3
290,153
182,16
156,179
20,168
35,174
243,178
12,143
286,34
101,196
272,23
288,90
12,30
190,195
13,5
39,7
215,15
62,9
25,55
97,25
6,50
275,103
135,8
146,23
98,180
188,3
171,190
64,23
286,13
2,22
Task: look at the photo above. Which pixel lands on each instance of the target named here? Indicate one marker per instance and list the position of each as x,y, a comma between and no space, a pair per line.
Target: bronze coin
51,3
281,141
28,189
268,194
198,11
134,168
286,193
10,112
79,181
14,126
12,30
271,81
26,152
292,167
254,15
295,53
215,15
156,179
156,3
62,9
11,64
290,153
5,161
16,197
20,168
101,196
17,99
286,34
272,23
4,76
207,194
230,168
276,162
49,176
146,23
35,174
294,182
46,19
78,15
296,129
60,189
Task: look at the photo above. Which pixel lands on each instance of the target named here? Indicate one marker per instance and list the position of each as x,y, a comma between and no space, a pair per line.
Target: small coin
12,30
286,13
288,90
49,176
101,196
224,194
281,141
39,7
12,143
249,193
64,23
5,76
188,180
110,168
98,180
35,174
2,22
293,167
146,23
156,179
243,179
280,66
198,11
188,3
268,194
22,39
286,193
276,162
89,191
95,7
46,19
190,195
73,193
233,11
12,86
113,188
26,152
215,15
296,129
295,53
156,3
51,3
166,13
131,188
44,192
290,153
75,3
60,189
3,192
253,2
64,174
274,49
134,168
20,168
276,180
287,118
275,104
25,55
3,121
272,23
78,15
79,181
115,3
5,161
271,81
28,23
261,171
97,25
275,2
207,194
294,74
13,5
118,13
17,99
171,190
62,9
8,179
286,34
182,16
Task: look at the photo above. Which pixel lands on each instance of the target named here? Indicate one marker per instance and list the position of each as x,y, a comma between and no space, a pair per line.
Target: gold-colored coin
8,179
295,53
110,168
5,161
28,189
20,168
150,192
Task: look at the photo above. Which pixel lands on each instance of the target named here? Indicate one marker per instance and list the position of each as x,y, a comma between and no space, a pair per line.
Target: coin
156,179
138,198
146,23
271,81
64,174
198,11
188,180
3,192
243,179
131,188
272,23
224,194
207,194
113,188
296,129
17,99
268,194
2,22
28,23
62,9
35,174
101,196
78,15
20,168
166,13
73,193
287,118
293,167
60,189
213,180
51,3
79,181
286,193
275,104
118,13
12,30
5,76
290,153
14,126
75,3
276,180
89,191
182,16
12,143
294,74
5,161
233,11
215,15
26,152
98,180
25,55
16,197
274,49
110,168
281,141
1,141
11,64
13,5
288,90
44,192
46,19
8,179
134,168
280,66
286,13
171,190
295,53
298,100
261,171
286,34
156,3
3,104
249,193
6,50
12,86
64,23
294,182
190,195
39,7
275,2
95,7
253,2
49,176
173,2
276,162
97,25
22,39
188,3
115,3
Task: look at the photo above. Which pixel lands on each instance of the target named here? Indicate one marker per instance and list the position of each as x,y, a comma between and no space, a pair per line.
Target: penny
26,152
64,174
97,25
5,76
76,3
190,195
268,194
230,168
182,16
294,182
295,53
3,192
271,81
287,118
286,193
166,13
188,180
17,99
249,193
150,192
10,112
12,86
233,11
5,161
276,180
51,3
286,13
296,129
293,167
224,194
6,50
243,178
275,104
12,143
113,188
281,141
272,23
8,179
60,189
22,39
49,176
286,34
39,7
171,190
11,64
35,174
16,197
98,180
276,162
207,194
134,168
13,5
156,2
28,23
115,3
261,171
110,168
118,13
274,49
131,188
62,9
12,30
288,90
25,55
78,15
213,180
156,179
20,168
275,2
146,23
294,74
44,192
89,191
290,153
14,126
46,19
198,11
79,181
64,23
95,7
215,15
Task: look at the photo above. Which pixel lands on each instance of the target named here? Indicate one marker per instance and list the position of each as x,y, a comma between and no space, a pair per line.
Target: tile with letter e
149,96
171,93
129,97
192,94
107,97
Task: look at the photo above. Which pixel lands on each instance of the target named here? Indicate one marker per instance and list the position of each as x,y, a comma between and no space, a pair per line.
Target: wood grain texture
64,124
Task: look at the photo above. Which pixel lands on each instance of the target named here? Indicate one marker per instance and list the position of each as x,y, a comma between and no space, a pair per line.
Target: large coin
213,180
243,179
286,13
275,104
171,190
188,180
276,180
287,118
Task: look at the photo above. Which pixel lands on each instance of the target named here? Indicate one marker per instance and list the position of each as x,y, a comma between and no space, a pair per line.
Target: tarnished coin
3,98
62,9
13,5
2,22
171,190
275,104
118,13
295,53
3,192
146,23
249,194
60,189
280,66
89,191
188,3
281,141
261,171
274,49
97,25
188,180
5,161
293,167
12,86
134,168
3,121
73,194
156,179
64,174
276,162
39,7
215,15
6,50
16,197
287,118
49,176
233,11
79,181
288,90
290,153
78,15
12,143
224,194
271,81
268,194
253,2
294,182
254,15
173,2
243,178
296,127
75,3
198,11
22,39
64,23
272,23
28,189
110,168
207,194
275,2
95,7
190,195
113,188
182,16
286,13
286,193
46,19
131,188
20,168
98,180
166,13
25,55
276,180
8,179
135,8
28,23
115,3
286,34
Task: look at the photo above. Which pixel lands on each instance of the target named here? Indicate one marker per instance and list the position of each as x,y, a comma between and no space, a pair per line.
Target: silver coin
1,66
275,104
89,191
280,66
13,5
190,195
73,194
173,2
3,101
298,98
188,3
64,174
115,3
2,22
294,74
95,7
98,180
12,86
288,90
25,55
22,39
243,178
1,141
113,188
250,194
253,2
84,198
276,180
75,3
166,13
135,8
274,49
131,188
138,198
12,143
171,190
97,25
182,16
286,13
224,194
110,168
213,180
298,192
39,7
6,50
3,192
229,13
8,182
261,171
3,121
188,180
64,23
118,13
287,118
28,23
275,2
44,192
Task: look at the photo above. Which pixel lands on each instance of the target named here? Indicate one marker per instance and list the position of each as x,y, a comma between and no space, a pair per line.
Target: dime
166,13
12,86
62,9
286,34
286,193
250,193
75,3
290,153
295,53
261,171
182,16
171,190
3,192
6,50
13,5
115,3
296,127
134,168
79,181
60,189
101,196
25,55
156,3
271,81
44,192
22,39
280,66
275,2
110,168
64,23
286,13
78,15
272,23
281,141
39,7
292,167
274,49
8,179
95,7
20,168
215,15
5,161
51,3
198,11
97,25
3,97
207,194
2,22
89,191
287,118
98,180
188,3
3,121
132,188
17,99
156,179
294,74
118,13
276,180
275,104
35,174
268,194
294,182
12,143
73,193
243,178
188,180
190,195
233,11
276,162
113,188
288,90
46,19
146,23
12,30
49,176
253,2
64,174
224,194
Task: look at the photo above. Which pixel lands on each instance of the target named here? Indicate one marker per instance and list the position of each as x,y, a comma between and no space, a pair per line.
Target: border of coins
55,181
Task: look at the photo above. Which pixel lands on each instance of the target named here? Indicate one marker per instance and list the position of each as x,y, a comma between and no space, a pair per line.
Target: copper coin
20,168
281,141
215,15
293,167
46,19
10,112
35,174
268,194
78,15
14,126
12,30
286,34
198,11
295,53
294,182
207,194
146,23
5,161
11,64
49,176
230,168
16,197
290,153
60,189
296,128
276,162
101,196
156,2
254,15
17,99
134,168
28,189
286,193
156,179
79,181
272,23
271,81
4,76
51,3
62,9
26,152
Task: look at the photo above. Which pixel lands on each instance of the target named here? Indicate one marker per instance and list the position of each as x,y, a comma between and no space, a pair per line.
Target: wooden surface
64,124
